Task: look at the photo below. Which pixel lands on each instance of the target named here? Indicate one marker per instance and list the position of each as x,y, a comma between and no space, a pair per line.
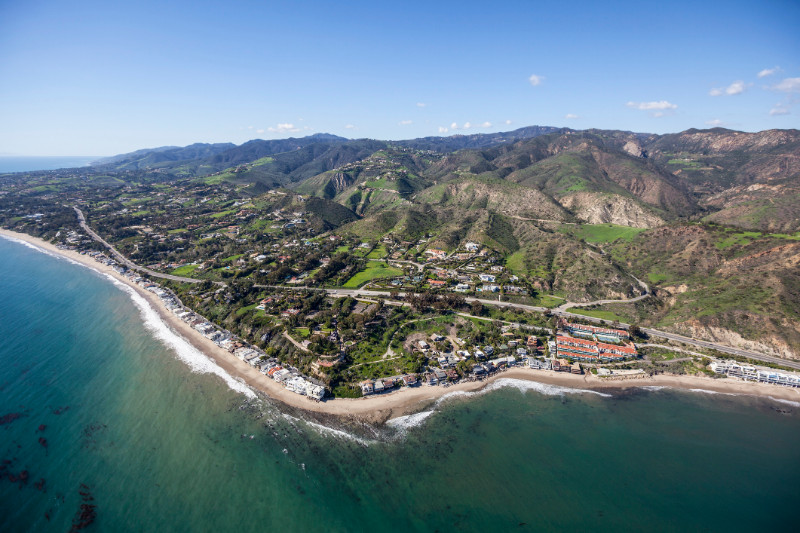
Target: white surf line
327,431
713,392
409,421
196,360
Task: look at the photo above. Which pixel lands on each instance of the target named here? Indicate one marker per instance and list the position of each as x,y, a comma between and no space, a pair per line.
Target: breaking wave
409,421
787,402
196,360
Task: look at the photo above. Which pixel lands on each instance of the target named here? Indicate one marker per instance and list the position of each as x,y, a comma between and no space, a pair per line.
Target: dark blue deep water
97,411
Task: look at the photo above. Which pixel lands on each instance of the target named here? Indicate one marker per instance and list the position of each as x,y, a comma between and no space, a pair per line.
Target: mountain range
709,218
748,180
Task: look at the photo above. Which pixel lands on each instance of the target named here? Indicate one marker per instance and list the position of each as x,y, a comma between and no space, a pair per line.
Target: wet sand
407,400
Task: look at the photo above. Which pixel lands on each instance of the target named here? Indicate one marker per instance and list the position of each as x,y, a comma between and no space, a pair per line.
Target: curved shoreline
380,408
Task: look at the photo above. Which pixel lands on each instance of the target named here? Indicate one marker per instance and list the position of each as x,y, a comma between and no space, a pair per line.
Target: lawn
184,270
374,270
301,332
545,300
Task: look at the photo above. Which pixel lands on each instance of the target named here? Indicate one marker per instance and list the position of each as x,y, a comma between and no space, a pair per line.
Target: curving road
127,262
651,332
559,311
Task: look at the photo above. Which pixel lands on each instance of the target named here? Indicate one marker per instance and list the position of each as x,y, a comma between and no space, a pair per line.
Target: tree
476,308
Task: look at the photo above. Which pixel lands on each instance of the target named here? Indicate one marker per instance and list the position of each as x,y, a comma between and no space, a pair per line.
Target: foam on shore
706,391
787,402
196,360
409,421
524,385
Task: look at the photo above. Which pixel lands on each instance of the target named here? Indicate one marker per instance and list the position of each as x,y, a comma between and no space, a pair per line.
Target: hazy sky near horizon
101,78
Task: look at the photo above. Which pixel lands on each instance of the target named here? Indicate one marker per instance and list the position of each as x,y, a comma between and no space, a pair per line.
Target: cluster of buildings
592,344
291,378
754,373
294,381
377,386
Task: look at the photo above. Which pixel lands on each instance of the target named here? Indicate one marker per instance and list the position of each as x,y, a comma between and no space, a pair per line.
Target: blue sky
94,78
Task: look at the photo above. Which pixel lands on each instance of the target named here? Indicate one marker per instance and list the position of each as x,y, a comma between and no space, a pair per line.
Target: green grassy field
600,233
546,300
379,252
745,237
515,263
223,213
184,270
374,270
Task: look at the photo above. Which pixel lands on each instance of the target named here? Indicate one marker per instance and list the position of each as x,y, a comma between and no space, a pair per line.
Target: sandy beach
407,400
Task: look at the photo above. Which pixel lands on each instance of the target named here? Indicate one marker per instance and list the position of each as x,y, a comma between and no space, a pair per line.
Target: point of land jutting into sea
404,270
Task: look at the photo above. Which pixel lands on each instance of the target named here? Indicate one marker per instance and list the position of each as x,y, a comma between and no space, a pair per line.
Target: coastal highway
649,331
560,311
127,262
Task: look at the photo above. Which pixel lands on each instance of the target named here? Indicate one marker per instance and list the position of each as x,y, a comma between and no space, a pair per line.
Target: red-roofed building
586,350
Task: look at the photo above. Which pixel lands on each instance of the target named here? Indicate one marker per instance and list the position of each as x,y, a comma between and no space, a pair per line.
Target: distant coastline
10,163
408,400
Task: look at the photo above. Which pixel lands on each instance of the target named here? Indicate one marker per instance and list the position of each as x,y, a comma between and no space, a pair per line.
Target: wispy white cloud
661,105
571,116
508,122
467,125
405,122
442,129
259,131
788,85
768,72
536,80
421,104
284,128
349,127
486,124
736,87
780,109
714,122
454,126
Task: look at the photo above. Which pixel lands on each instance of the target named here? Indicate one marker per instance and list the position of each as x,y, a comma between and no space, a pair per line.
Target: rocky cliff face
601,208
770,342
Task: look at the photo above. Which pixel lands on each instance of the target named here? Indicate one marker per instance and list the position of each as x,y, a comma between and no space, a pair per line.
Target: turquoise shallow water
158,447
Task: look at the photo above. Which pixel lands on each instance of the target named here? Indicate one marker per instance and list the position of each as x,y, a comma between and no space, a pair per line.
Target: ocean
30,163
108,422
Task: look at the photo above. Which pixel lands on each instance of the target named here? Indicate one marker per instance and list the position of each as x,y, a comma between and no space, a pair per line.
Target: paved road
127,262
646,294
558,311
651,332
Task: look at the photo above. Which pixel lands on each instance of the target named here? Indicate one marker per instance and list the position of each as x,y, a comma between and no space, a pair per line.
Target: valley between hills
695,233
